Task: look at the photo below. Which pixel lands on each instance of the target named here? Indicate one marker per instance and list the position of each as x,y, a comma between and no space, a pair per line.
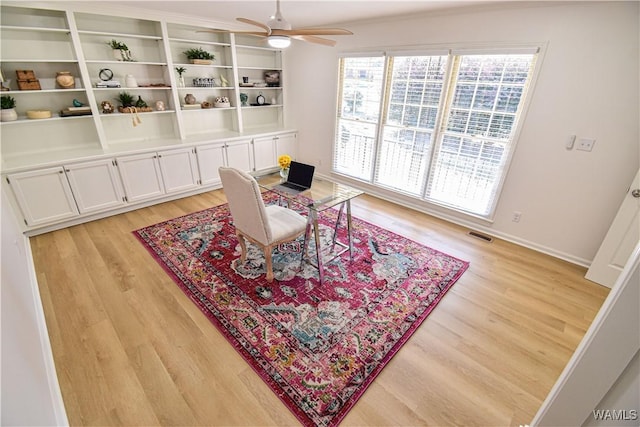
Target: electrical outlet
516,216
585,144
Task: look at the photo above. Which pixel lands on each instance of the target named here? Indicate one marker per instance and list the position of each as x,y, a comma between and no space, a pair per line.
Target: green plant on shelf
199,53
121,50
181,70
7,102
116,45
126,99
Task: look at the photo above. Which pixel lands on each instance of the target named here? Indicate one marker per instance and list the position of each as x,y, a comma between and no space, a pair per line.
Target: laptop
299,178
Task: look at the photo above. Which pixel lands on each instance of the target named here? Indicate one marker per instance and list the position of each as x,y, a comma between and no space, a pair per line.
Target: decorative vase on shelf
130,81
8,115
284,173
181,81
65,80
121,55
190,99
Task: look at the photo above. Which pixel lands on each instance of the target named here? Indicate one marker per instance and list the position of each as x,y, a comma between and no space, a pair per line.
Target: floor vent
481,236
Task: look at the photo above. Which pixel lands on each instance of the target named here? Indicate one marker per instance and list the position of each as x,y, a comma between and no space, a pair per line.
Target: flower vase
181,81
284,173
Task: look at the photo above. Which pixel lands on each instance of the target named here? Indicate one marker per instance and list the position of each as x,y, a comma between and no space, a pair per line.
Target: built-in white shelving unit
47,41
67,170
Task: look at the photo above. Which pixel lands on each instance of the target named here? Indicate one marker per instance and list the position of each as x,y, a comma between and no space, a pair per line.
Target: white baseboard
475,224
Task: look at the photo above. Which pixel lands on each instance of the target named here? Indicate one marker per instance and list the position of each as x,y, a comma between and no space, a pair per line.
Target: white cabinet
44,196
264,153
141,176
240,155
266,150
210,158
179,169
95,185
286,144
71,192
151,175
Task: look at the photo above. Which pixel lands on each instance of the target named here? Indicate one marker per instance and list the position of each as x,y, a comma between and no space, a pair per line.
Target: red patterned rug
317,346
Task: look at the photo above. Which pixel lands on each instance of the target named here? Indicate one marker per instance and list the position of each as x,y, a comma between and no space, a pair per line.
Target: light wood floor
131,349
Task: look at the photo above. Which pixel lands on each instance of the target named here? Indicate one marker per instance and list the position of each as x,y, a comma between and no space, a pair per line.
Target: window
436,127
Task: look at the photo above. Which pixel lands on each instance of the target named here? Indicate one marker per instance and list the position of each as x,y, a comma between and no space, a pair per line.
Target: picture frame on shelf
272,78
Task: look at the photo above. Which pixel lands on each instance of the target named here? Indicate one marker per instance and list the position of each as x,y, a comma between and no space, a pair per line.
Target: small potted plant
199,56
8,105
181,71
120,50
127,102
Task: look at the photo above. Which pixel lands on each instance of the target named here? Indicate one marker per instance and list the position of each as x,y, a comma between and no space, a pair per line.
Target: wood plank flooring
131,349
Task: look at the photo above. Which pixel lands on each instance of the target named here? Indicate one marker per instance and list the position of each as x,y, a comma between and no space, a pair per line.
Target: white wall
588,86
30,392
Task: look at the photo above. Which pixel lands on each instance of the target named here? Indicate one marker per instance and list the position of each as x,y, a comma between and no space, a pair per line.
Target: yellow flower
284,161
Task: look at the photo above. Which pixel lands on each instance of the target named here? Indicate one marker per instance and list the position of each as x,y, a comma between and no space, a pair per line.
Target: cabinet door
286,144
141,176
210,158
179,169
240,155
264,153
44,196
96,185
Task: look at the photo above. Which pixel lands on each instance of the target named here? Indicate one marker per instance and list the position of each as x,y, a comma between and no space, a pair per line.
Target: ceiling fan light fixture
279,42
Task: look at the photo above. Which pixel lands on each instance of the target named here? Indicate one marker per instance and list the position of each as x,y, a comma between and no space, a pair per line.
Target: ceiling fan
279,33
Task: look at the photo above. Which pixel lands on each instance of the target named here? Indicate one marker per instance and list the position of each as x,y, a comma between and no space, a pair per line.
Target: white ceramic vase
8,115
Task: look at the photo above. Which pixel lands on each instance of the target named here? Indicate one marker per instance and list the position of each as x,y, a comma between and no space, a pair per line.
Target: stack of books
76,111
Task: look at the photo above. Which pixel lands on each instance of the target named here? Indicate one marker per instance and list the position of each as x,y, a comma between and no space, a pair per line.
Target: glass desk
323,194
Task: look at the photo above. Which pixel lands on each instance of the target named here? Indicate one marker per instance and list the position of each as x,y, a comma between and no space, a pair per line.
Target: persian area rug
317,346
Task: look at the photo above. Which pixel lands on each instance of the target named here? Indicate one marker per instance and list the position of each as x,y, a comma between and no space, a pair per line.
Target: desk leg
316,232
348,202
307,235
335,229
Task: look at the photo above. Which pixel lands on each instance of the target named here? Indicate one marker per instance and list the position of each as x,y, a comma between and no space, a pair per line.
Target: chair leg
268,263
243,247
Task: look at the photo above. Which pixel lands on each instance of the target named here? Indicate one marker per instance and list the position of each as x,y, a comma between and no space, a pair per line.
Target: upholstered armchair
266,226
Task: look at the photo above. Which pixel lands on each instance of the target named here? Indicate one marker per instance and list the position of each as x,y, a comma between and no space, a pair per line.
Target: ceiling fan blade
312,32
317,40
256,23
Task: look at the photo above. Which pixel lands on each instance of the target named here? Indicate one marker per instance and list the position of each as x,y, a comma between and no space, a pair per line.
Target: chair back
246,204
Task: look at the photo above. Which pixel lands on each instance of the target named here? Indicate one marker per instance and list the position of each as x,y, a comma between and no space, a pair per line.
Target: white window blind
440,129
358,115
415,91
477,130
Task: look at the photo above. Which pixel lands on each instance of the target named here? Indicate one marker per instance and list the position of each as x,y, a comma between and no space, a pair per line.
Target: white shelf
99,61
41,91
240,67
54,117
120,89
259,88
119,35
202,65
244,46
199,42
41,30
42,61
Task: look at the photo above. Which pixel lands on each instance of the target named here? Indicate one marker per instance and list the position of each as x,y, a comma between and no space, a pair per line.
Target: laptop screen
301,174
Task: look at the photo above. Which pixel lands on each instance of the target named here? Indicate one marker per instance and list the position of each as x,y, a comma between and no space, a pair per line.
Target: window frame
449,86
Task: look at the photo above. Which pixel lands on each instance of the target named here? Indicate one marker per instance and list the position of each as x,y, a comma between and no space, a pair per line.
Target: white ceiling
300,13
